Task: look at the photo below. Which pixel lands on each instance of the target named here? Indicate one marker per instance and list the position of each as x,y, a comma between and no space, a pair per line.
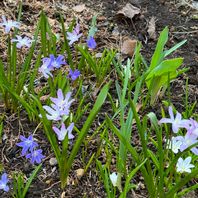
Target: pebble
53,161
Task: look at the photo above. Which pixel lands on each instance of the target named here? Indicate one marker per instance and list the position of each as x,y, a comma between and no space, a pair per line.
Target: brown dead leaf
129,11
51,21
128,47
44,98
79,8
151,28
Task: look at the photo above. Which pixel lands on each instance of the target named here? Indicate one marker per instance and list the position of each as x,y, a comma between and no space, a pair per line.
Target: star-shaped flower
192,127
35,156
46,68
187,141
3,182
25,41
184,165
75,35
91,43
9,24
63,103
27,144
74,74
174,145
54,113
57,62
63,131
176,122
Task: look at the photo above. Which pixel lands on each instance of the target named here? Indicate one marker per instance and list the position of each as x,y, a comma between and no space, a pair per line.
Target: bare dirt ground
183,24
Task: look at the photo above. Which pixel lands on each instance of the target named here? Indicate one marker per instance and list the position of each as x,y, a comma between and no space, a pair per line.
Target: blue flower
74,74
3,182
25,41
57,62
35,156
8,24
91,43
27,144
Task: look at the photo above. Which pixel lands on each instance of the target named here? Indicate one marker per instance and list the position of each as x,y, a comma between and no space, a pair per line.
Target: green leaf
129,177
33,175
167,52
93,28
165,67
158,54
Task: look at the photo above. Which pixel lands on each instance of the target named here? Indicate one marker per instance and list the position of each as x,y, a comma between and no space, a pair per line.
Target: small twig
52,186
189,32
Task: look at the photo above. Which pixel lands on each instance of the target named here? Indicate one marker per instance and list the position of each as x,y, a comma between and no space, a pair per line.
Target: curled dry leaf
128,47
79,8
129,11
151,28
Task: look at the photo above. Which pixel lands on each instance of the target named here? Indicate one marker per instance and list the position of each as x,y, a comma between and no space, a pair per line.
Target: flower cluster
50,63
181,143
29,149
59,111
75,35
8,25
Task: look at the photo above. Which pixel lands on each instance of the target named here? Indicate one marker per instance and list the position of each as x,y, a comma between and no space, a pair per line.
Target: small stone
80,172
53,161
98,55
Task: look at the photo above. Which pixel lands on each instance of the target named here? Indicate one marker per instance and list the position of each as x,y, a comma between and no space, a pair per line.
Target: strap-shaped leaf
158,54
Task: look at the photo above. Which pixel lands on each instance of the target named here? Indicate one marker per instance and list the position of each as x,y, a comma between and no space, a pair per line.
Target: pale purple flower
174,144
50,63
63,131
91,43
192,127
184,165
9,24
25,41
176,122
46,68
35,156
57,62
3,182
187,141
74,74
54,112
63,103
74,35
27,144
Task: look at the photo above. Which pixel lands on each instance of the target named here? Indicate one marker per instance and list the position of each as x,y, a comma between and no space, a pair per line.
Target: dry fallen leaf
129,11
79,8
151,28
128,47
